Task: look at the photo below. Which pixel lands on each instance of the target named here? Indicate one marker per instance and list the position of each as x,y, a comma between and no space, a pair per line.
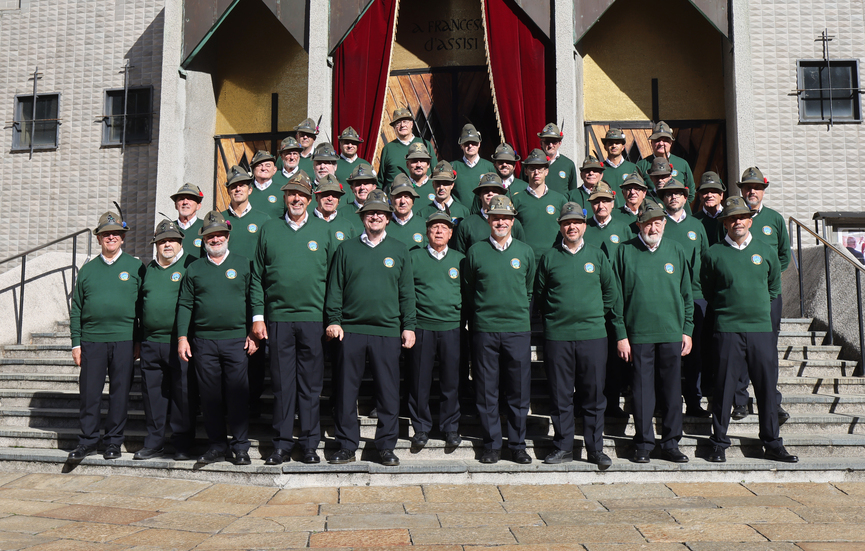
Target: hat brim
412,192
594,196
596,167
735,212
272,159
326,158
321,191
513,159
110,227
167,235
764,184
482,188
186,194
405,118
717,187
502,212
350,139
213,229
291,186
550,136
571,216
413,156
380,207
449,222
656,135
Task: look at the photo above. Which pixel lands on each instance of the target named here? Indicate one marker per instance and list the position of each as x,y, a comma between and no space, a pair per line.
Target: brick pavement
96,513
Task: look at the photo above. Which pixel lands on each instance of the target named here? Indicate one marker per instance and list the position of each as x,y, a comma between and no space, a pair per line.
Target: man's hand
183,349
407,339
136,350
686,345
76,356
251,344
624,349
259,329
336,332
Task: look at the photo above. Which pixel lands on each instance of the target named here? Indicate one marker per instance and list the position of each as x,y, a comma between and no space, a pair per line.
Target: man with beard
290,269
265,196
327,198
711,193
212,327
405,226
741,278
187,201
394,152
655,287
497,282
348,143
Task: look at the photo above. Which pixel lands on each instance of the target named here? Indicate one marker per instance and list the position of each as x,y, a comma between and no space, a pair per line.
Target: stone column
739,94
569,80
320,76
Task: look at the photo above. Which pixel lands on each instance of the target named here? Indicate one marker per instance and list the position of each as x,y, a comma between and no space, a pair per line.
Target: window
43,132
137,114
829,91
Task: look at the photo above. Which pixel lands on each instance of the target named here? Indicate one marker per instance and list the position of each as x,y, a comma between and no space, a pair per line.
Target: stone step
796,324
50,381
54,337
801,338
819,385
816,368
809,352
48,351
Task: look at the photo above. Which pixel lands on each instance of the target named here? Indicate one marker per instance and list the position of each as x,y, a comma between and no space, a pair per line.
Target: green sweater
341,227
192,243
768,226
498,287
655,289
739,285
305,164
215,302
290,269
617,231
159,293
458,211
563,176
468,178
437,289
270,201
690,234
516,186
393,160
243,238
370,290
576,293
343,171
412,234
715,231
476,228
105,303
538,217
616,175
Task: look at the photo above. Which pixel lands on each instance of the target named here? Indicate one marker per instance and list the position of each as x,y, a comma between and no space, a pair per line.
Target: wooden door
237,150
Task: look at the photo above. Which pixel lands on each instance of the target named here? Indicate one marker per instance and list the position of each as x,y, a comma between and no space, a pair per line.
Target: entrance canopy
587,13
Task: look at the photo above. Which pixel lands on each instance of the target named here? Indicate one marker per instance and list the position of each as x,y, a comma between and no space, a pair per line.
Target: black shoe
718,455
698,412
388,458
341,456
782,415
559,456
373,413
278,457
491,456
149,453
112,452
599,458
81,452
521,457
674,455
780,454
310,456
420,439
452,438
616,413
212,456
739,412
242,458
641,456
183,456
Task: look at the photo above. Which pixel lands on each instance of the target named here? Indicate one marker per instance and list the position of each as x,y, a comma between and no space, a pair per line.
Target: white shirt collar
113,260
288,174
215,263
435,254
263,186
471,164
296,225
735,245
402,222
440,206
506,245
533,193
484,214
651,249
346,159
587,190
682,216
602,224
365,239
554,157
189,224
410,140
508,181
710,215
173,260
609,162
579,247
242,214
422,182
326,219
627,208
759,209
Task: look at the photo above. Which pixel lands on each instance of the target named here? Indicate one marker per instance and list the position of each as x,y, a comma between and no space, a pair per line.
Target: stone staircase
39,424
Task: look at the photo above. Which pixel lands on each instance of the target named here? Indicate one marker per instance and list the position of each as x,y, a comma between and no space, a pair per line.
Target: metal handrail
858,270
19,322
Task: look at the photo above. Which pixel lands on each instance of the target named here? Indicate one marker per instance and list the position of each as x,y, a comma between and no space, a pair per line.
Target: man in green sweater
740,279
576,291
662,141
370,310
417,163
505,160
213,317
324,160
634,191
443,184
289,156
617,167
265,196
393,153
471,167
348,142
438,299
591,173
187,201
327,198
306,133
167,382
563,173
105,339
361,181
476,228
688,232
711,193
497,282
405,225
538,207
290,269
655,287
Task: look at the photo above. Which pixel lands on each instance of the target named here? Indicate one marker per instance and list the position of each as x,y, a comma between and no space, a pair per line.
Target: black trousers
427,346
221,366
741,398
510,355
662,360
618,375
256,368
168,385
692,364
383,355
296,377
755,354
98,359
580,365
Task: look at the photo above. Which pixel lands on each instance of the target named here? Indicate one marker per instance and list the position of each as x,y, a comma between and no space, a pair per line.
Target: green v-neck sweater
105,303
159,294
476,228
690,234
538,216
437,289
468,179
243,238
617,231
498,286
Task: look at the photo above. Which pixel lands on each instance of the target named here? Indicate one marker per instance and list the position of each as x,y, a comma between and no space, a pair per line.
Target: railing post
861,328
801,280
828,292
20,328
72,278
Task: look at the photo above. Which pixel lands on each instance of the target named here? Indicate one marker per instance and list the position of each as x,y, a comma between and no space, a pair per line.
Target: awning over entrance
587,13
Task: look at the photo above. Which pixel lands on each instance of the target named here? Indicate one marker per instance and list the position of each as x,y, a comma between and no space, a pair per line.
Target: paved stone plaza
72,512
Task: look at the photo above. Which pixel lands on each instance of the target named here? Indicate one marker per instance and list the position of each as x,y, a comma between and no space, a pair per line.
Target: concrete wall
80,49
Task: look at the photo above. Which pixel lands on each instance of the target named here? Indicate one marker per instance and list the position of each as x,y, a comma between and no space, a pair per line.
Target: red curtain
361,65
517,64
